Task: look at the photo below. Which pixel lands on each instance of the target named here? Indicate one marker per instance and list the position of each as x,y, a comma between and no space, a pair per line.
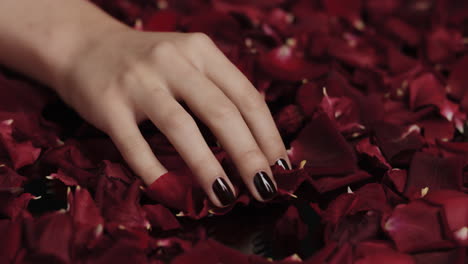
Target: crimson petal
322,146
417,226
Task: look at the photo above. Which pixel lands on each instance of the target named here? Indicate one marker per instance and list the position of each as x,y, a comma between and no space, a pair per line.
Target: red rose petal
426,90
50,235
443,44
403,30
437,128
455,256
353,54
162,21
397,143
64,178
399,63
12,205
20,153
11,241
308,96
10,179
455,209
378,252
417,226
289,120
365,147
127,212
436,173
289,231
350,10
211,251
327,183
285,63
160,217
320,143
398,178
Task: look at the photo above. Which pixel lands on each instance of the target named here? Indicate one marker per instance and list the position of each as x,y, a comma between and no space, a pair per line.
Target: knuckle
179,122
130,74
254,156
253,102
162,50
225,111
200,39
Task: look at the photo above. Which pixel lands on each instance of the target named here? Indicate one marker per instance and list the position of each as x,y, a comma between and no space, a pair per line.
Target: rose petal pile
371,99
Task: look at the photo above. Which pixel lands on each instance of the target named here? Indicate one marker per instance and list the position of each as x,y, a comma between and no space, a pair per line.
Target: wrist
70,47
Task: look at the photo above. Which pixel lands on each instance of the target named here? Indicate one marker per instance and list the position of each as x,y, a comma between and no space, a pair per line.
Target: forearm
41,37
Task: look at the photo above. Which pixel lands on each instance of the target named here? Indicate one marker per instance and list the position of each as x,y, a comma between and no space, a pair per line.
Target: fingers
250,103
210,104
134,148
181,130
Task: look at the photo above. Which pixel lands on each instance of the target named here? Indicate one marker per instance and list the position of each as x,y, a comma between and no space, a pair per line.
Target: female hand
130,76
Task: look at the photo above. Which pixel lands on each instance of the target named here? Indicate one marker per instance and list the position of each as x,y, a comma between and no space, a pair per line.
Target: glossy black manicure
264,185
224,193
283,164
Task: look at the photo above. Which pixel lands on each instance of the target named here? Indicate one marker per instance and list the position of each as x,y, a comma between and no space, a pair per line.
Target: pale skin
116,77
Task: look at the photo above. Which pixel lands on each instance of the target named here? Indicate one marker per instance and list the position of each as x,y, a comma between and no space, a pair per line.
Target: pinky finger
135,149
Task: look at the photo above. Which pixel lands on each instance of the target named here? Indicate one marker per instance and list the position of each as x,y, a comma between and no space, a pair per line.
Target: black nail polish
264,185
224,193
283,164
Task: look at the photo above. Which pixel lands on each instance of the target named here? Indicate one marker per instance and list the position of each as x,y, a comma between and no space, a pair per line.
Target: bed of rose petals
370,96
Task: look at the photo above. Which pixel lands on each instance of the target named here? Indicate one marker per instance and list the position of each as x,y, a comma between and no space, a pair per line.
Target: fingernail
283,164
223,192
264,185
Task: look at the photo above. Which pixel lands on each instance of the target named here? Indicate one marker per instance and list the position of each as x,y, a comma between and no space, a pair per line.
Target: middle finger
223,118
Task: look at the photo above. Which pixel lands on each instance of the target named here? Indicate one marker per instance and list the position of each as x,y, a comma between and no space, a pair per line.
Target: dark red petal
437,128
398,178
378,252
454,256
397,143
417,226
398,62
457,82
289,231
10,179
403,30
163,20
285,63
323,147
119,251
12,204
350,10
443,43
325,183
20,153
64,178
455,209
372,151
176,197
354,228
83,208
426,90
289,120
11,240
127,212
211,251
50,235
353,54
308,96
160,217
436,173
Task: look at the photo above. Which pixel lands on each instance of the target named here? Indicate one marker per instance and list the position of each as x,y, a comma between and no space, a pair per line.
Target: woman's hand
130,76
